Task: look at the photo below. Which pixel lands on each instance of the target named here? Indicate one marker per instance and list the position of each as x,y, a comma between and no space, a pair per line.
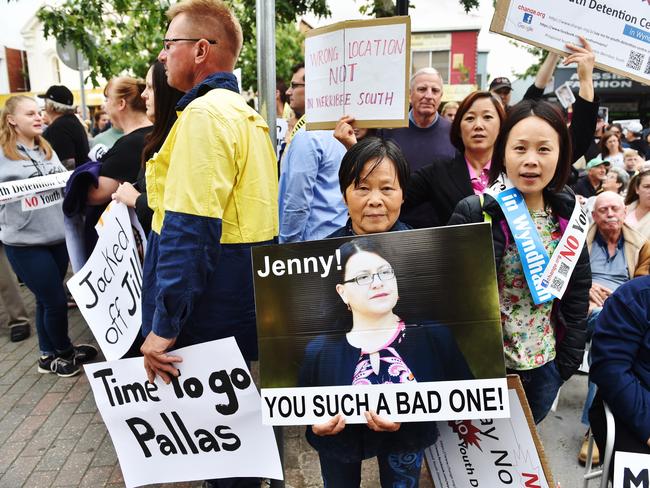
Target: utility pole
265,21
402,7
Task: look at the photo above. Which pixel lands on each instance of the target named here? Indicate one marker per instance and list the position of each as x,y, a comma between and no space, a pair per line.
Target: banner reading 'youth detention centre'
433,340
619,32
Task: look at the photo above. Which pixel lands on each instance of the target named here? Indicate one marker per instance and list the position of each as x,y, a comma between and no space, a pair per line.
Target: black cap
499,83
59,94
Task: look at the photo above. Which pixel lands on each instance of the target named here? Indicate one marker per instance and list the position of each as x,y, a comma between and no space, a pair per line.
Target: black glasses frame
186,39
378,274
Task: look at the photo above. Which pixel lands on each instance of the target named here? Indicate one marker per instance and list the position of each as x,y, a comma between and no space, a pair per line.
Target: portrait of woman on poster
376,346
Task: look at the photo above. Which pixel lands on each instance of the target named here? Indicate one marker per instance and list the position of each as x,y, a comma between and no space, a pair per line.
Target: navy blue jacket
431,353
620,354
347,231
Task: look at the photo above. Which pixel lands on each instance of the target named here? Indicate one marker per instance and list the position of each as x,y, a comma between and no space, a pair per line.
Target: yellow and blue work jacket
213,190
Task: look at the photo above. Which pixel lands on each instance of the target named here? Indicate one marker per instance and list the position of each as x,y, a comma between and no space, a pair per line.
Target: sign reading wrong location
358,68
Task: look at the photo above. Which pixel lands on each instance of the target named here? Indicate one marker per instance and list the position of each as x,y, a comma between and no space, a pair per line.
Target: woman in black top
121,163
160,100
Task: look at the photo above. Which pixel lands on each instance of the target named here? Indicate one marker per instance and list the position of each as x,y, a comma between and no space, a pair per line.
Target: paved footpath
51,434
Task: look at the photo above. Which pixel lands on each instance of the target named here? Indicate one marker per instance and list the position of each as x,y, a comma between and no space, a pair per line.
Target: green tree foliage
386,8
125,36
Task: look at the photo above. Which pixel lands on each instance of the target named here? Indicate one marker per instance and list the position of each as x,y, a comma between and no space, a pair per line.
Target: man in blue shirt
310,201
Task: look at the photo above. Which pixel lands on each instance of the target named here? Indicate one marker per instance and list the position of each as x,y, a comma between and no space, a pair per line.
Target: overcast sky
503,60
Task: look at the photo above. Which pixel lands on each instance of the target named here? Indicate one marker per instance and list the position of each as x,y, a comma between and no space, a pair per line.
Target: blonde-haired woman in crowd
128,113
34,240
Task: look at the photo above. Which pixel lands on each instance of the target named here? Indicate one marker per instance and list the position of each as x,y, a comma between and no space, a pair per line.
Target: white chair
606,457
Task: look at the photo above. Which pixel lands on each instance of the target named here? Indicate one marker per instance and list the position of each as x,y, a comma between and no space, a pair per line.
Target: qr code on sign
557,283
635,61
564,269
647,68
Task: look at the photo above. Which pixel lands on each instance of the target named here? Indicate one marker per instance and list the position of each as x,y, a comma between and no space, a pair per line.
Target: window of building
432,59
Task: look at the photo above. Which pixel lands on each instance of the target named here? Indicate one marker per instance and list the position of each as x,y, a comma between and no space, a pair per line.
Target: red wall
466,43
16,70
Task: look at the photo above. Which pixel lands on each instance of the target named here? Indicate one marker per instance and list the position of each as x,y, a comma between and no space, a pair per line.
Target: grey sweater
36,227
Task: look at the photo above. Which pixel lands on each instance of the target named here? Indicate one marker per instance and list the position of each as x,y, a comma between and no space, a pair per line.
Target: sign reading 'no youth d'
619,32
358,68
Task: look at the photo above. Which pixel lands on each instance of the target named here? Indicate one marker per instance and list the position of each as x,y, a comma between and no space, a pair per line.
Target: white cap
635,127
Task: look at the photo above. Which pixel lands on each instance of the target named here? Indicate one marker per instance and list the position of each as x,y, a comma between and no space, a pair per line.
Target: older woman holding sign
33,237
375,345
543,302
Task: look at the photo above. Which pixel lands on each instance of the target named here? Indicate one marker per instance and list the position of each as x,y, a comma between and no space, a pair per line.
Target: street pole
265,16
402,7
265,20
82,90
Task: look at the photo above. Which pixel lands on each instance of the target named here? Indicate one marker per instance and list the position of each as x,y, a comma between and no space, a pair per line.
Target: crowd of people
196,162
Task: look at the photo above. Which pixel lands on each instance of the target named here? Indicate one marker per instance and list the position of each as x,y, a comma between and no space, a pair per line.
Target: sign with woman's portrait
403,324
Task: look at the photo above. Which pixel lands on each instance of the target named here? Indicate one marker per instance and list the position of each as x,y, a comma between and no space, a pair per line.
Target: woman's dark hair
371,149
97,115
455,134
355,246
164,102
632,188
550,114
602,145
618,126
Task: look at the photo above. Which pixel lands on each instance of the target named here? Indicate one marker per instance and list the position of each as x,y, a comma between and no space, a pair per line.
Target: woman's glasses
384,274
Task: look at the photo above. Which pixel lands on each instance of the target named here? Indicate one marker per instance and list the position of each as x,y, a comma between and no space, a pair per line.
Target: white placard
281,128
565,95
206,424
397,402
491,452
358,68
108,288
619,32
631,470
13,191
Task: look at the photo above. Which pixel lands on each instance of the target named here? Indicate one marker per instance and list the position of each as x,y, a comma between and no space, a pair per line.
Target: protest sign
41,200
631,470
205,424
565,95
108,288
434,341
491,452
30,189
358,68
619,33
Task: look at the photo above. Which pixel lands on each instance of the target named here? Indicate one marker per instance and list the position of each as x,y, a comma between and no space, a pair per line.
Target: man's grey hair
608,193
59,108
424,71
621,176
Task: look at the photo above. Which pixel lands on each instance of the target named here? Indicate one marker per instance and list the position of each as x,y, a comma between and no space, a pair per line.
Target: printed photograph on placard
400,308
